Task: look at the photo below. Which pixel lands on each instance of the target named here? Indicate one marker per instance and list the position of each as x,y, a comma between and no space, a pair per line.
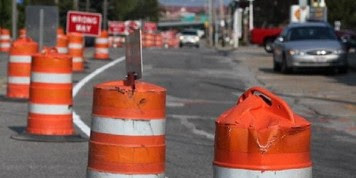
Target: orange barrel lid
49,60
262,133
23,45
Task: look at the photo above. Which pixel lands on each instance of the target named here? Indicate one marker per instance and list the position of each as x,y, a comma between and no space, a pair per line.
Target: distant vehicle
189,38
310,44
265,37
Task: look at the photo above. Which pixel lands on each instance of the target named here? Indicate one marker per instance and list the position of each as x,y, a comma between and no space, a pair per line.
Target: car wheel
197,46
284,67
268,45
276,66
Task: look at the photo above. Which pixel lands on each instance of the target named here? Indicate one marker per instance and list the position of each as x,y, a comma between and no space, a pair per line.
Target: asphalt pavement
201,84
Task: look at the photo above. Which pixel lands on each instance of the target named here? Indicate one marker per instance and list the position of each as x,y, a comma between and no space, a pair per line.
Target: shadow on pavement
4,98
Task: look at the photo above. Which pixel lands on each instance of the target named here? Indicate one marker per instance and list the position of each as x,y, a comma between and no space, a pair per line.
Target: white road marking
191,126
76,118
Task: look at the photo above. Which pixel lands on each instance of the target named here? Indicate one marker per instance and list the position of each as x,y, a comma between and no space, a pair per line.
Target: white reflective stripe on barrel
51,109
101,40
96,174
62,50
75,46
77,59
132,127
5,37
222,172
5,45
20,59
51,77
102,50
18,80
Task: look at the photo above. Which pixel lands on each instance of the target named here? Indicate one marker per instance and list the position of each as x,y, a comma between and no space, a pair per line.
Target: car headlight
339,51
293,52
196,38
181,37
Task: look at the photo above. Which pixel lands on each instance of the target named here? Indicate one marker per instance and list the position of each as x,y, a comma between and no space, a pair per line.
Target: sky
188,2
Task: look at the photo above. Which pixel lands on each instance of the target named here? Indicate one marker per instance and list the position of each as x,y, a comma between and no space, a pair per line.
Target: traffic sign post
39,17
133,57
88,24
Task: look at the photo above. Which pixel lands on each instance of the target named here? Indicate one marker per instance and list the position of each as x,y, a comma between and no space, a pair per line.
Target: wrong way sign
88,24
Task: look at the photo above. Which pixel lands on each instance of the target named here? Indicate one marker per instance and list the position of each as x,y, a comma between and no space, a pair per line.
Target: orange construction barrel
102,46
19,68
50,104
5,40
262,137
62,42
128,131
76,50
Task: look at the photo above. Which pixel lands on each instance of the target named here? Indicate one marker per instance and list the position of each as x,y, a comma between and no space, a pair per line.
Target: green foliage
134,10
5,13
342,10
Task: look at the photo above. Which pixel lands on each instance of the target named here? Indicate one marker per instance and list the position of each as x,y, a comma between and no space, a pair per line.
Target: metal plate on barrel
48,21
134,54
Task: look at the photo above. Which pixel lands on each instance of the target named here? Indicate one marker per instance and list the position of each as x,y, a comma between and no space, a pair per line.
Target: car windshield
189,33
311,33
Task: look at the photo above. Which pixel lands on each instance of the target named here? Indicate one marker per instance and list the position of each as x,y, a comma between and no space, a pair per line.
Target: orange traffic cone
5,40
102,46
76,50
50,105
19,67
262,137
128,131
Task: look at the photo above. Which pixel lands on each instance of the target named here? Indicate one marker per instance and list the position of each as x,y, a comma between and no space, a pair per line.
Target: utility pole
87,5
105,14
222,20
211,22
251,15
14,19
75,4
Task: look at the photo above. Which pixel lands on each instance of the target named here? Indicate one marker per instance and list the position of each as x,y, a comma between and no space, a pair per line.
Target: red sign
88,24
116,27
150,27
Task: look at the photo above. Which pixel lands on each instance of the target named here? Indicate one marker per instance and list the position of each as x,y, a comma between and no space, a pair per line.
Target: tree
342,10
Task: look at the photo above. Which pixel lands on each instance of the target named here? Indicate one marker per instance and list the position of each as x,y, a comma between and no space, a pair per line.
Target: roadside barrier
62,42
262,137
148,40
102,46
128,131
158,40
5,40
76,50
50,104
19,68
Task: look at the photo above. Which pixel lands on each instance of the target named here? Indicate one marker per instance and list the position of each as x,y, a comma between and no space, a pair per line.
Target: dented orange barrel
262,137
128,131
102,46
19,68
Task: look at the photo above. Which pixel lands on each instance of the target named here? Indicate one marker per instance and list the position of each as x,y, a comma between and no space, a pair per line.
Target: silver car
310,44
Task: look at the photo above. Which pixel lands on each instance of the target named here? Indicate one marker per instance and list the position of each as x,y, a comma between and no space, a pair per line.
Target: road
201,84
